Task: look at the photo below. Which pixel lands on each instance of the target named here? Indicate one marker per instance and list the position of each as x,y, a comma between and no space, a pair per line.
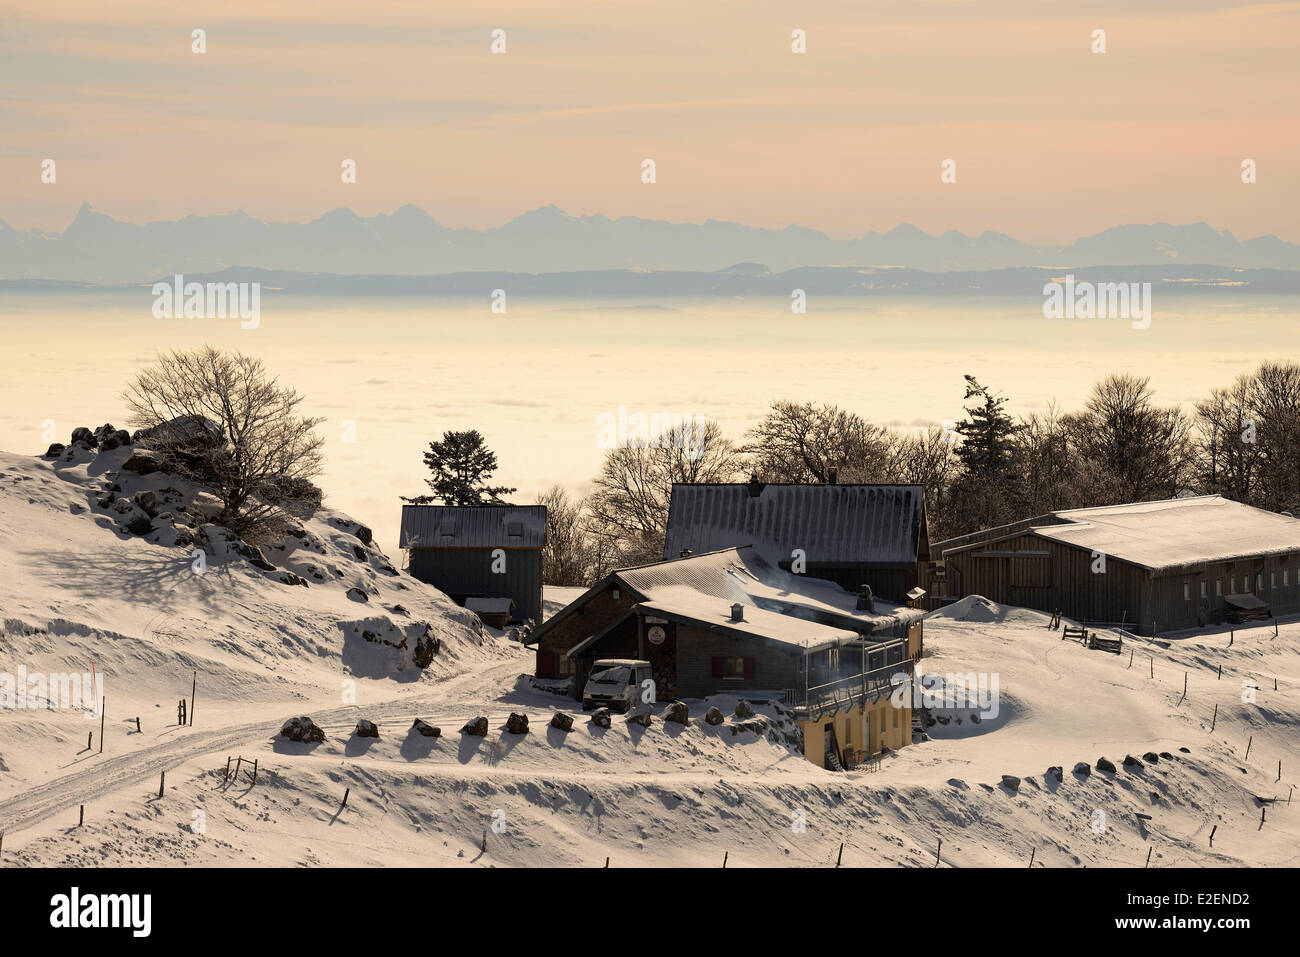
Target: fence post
1148,863
1215,719
162,783
82,819
1032,852
194,689
1249,742
102,703
937,850
1212,830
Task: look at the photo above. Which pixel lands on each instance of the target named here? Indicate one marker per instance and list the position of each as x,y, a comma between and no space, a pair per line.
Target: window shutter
717,667
749,669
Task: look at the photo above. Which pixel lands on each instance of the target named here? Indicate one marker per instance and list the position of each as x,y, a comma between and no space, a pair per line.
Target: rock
640,716
426,729
1151,758
356,594
143,462
1131,762
359,552
302,729
744,709
55,450
184,538
562,721
678,713
400,610
147,501
366,729
85,437
714,716
1082,769
289,578
124,506
517,723
115,440
426,647
1057,772
1166,755
1185,750
205,505
1011,782
1104,765
140,525
477,727
601,718
364,534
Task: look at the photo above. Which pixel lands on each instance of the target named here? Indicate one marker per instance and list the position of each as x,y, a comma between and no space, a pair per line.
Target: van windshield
610,676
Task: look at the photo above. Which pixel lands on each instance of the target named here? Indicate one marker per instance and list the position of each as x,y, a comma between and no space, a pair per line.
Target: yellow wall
914,641
888,726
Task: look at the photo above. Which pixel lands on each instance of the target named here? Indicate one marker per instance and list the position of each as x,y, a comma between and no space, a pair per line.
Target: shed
479,552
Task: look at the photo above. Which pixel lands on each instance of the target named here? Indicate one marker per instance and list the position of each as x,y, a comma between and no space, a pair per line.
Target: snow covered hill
77,586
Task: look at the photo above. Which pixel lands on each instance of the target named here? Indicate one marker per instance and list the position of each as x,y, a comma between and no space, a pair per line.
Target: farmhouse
1177,563
478,553
730,622
853,535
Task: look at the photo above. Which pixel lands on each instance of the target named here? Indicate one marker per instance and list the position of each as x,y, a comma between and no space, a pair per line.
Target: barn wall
467,573
775,667
1272,579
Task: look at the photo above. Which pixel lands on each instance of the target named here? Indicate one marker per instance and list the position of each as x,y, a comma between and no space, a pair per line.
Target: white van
615,683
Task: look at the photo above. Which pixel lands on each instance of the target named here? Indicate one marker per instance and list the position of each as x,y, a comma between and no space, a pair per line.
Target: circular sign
656,634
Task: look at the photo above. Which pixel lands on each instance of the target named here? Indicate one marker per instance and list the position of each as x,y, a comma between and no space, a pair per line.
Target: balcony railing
843,693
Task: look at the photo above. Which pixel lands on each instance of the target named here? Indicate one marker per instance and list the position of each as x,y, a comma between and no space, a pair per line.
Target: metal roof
846,524
473,526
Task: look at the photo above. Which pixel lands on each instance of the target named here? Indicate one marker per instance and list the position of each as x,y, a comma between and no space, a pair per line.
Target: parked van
615,683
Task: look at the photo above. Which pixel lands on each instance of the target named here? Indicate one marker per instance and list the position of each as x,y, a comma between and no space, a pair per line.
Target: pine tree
461,465
988,434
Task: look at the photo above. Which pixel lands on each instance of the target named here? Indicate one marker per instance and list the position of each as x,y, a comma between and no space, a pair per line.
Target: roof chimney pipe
866,600
754,486
737,612
684,553
831,476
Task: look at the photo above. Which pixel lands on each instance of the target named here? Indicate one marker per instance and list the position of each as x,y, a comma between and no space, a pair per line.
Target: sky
1051,140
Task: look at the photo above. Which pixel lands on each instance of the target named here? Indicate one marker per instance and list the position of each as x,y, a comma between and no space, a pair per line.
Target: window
1203,589
1187,592
1218,588
1259,583
1232,585
563,666
1272,580
733,668
1286,578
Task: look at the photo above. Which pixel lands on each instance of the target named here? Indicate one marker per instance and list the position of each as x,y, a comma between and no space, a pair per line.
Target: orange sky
1051,141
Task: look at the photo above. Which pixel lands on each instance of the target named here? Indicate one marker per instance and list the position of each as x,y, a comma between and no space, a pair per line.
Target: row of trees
989,468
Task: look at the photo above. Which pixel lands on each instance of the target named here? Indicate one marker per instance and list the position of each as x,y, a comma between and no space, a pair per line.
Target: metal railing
846,692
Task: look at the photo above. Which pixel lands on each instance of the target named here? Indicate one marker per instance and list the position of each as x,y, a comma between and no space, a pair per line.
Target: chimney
831,476
866,600
754,486
737,612
684,553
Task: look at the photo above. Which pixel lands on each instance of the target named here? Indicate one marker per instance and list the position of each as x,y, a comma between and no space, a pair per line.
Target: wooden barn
1156,566
853,535
728,622
480,552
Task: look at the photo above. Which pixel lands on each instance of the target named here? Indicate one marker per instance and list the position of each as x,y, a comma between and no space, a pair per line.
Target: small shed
479,552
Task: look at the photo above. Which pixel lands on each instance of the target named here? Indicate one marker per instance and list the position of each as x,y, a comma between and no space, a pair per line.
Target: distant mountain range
96,248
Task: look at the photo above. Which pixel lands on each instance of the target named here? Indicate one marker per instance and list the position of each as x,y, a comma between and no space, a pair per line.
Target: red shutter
749,669
717,667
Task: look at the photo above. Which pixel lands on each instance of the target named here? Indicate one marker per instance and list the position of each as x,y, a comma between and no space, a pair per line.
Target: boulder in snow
1011,782
601,718
426,729
640,716
366,729
1104,765
744,709
302,729
562,721
678,713
517,723
714,716
477,727
1082,769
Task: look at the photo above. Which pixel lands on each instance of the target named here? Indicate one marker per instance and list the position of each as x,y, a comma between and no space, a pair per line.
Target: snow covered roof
1176,532
679,602
473,526
846,524
742,575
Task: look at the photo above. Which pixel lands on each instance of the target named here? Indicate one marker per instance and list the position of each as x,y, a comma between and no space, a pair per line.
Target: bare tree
227,426
630,496
1274,404
567,558
927,459
1229,456
1145,449
805,442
